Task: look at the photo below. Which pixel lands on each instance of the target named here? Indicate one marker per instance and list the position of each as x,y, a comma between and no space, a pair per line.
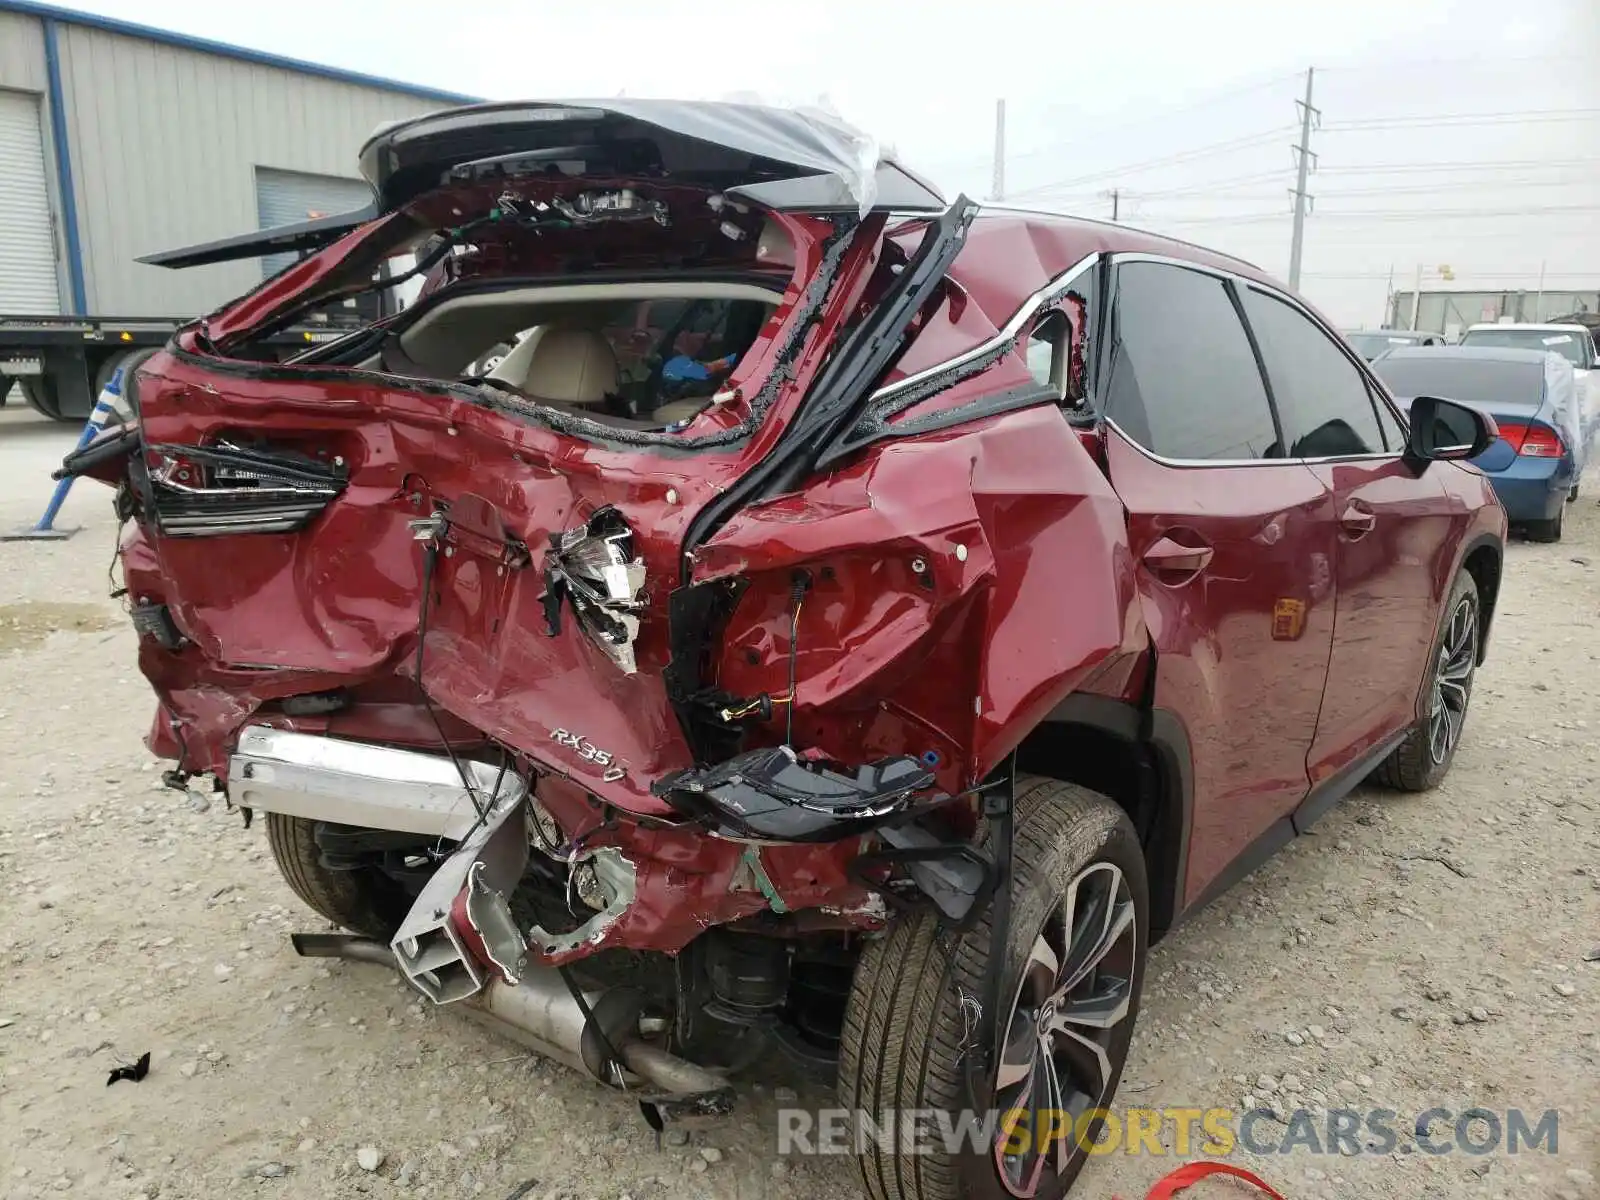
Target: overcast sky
1186,108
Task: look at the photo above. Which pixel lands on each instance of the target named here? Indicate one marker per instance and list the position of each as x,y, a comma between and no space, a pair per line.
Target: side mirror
1444,431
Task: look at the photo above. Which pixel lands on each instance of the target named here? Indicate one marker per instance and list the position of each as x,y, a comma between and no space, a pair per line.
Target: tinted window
1471,380
1182,380
1371,344
1322,397
1567,343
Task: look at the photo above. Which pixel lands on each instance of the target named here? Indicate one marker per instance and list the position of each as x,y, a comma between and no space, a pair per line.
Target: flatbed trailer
63,363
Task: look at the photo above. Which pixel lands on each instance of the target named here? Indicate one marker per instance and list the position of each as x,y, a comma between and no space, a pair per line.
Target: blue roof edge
150,33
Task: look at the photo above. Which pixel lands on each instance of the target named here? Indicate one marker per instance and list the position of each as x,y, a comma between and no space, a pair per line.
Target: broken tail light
208,491
595,567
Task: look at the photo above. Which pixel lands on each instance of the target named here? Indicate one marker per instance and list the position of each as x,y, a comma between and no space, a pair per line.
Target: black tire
906,1020
364,901
1414,766
41,394
1547,531
1572,496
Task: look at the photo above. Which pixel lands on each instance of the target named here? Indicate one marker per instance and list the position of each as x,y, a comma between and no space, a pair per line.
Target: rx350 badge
589,752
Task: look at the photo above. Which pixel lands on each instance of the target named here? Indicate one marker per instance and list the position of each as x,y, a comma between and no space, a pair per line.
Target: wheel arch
1484,559
1139,756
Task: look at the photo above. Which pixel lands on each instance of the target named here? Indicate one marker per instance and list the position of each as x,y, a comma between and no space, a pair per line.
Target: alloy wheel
1075,994
1452,679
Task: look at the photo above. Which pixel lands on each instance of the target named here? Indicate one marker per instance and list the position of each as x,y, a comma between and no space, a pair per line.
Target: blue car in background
1547,421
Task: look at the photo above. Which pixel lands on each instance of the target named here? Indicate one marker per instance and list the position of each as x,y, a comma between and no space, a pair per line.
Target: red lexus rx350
743,602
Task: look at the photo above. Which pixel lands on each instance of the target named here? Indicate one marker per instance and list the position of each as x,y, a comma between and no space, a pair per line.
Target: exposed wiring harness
798,588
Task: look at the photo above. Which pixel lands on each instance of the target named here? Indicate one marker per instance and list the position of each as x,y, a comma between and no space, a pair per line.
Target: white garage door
27,247
289,197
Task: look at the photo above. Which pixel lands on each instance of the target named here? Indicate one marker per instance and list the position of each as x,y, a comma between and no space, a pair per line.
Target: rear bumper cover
663,883
1533,489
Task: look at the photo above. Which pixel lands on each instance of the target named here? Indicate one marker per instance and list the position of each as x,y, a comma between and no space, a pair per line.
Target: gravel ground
1418,951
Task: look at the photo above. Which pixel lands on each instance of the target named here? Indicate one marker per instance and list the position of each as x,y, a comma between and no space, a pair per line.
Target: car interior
646,356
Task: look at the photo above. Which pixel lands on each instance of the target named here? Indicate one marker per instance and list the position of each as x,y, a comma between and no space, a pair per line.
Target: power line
1454,65
1463,120
1102,131
1388,215
1258,196
1468,273
1181,156
1480,165
1223,187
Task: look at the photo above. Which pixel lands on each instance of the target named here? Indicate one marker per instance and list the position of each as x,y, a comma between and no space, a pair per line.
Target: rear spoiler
303,235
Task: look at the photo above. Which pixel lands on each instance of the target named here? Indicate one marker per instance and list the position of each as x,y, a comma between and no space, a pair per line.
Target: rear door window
1181,379
1322,396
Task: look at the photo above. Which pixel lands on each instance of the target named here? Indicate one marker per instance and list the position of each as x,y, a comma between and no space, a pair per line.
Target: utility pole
1416,297
1116,204
1304,159
999,188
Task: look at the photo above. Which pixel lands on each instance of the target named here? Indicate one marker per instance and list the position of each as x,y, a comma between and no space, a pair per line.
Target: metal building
1449,312
117,140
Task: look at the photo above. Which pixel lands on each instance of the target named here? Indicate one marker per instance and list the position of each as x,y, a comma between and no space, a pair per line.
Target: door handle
1172,558
1357,521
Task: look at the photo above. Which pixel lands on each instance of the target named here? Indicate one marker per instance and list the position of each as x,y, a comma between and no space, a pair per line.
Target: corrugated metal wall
28,277
165,145
22,74
21,53
288,197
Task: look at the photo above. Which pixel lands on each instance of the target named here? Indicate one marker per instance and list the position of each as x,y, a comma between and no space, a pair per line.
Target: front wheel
1424,758
1070,982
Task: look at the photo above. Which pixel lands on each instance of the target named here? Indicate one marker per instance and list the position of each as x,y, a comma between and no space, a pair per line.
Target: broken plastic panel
773,794
954,877
595,566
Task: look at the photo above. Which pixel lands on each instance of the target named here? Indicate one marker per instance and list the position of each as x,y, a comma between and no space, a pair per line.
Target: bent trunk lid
782,159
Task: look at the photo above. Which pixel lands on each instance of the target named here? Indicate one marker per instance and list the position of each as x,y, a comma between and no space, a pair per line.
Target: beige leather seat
577,367
562,365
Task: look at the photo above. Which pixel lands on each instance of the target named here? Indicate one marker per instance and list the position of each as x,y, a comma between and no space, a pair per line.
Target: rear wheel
1070,981
1547,531
363,900
41,394
1424,758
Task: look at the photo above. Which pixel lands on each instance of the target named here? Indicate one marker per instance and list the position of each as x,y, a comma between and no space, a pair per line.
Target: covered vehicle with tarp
1547,422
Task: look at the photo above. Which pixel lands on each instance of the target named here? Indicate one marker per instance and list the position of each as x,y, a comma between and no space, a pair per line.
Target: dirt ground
1417,952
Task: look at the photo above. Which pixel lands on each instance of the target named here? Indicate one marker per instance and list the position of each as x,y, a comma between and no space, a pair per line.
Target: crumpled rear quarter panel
1027,591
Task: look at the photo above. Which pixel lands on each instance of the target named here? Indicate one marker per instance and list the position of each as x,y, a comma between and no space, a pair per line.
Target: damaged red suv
745,604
